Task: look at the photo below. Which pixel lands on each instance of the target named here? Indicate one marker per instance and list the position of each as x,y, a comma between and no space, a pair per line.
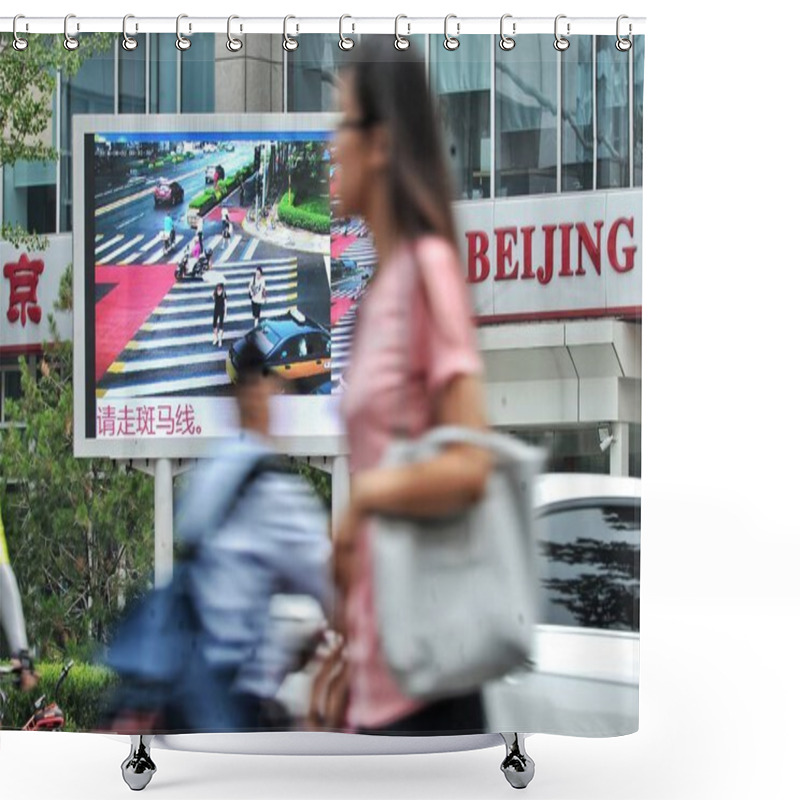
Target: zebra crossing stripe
184,290
159,256
213,242
120,250
138,254
165,387
234,243
251,250
193,323
110,243
145,364
186,308
232,332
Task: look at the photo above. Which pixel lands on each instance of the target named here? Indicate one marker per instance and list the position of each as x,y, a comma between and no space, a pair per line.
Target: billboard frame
330,444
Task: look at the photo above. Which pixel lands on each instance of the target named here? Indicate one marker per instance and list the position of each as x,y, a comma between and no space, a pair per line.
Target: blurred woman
414,361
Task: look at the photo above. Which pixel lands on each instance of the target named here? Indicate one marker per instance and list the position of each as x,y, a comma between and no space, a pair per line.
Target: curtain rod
298,25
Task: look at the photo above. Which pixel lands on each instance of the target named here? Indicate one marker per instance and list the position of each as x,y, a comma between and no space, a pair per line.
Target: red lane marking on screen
122,312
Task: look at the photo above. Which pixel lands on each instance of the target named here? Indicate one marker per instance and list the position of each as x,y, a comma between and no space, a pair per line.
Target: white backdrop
719,693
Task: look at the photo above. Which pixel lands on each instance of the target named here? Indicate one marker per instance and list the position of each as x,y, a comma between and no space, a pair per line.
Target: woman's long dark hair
391,88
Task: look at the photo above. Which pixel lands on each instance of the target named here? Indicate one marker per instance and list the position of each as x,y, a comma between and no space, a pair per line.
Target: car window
589,575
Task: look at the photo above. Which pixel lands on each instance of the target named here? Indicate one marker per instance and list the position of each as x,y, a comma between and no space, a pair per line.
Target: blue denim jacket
274,540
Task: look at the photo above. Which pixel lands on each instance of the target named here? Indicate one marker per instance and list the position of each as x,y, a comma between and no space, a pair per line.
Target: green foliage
201,200
81,698
320,481
80,531
305,216
27,82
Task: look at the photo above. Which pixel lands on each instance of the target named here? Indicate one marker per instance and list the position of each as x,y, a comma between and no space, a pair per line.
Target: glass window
577,129
197,75
310,73
590,573
638,104
526,119
90,91
462,81
163,74
29,196
10,388
131,80
612,115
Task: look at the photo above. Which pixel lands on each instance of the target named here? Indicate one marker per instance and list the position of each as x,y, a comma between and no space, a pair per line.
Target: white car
583,675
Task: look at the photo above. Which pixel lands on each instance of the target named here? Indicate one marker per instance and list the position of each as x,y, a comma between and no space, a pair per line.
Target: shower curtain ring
182,43
624,44
561,43
345,43
451,42
400,42
288,42
128,42
19,44
70,42
506,42
233,44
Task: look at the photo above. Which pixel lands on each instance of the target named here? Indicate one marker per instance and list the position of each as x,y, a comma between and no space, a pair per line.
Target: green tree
81,529
27,82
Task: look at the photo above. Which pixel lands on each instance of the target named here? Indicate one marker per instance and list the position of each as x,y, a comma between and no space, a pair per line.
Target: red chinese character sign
29,284
23,276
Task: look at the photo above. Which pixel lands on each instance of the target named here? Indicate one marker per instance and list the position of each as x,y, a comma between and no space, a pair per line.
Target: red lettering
566,269
504,254
527,251
612,245
545,273
591,247
477,247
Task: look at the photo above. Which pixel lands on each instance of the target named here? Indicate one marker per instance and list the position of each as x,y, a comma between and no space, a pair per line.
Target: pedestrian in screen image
220,299
415,348
258,293
200,232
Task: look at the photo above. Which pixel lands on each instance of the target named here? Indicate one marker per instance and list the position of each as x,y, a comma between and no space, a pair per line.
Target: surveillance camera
606,443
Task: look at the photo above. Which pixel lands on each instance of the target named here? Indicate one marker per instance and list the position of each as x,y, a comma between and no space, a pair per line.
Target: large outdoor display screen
193,237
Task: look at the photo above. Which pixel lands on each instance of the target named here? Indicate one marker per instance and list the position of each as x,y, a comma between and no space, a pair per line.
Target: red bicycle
47,717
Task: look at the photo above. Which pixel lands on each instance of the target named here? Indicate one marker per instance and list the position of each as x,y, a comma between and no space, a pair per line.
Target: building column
163,521
620,450
340,487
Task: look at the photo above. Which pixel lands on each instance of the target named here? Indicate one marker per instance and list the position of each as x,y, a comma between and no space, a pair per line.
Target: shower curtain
148,177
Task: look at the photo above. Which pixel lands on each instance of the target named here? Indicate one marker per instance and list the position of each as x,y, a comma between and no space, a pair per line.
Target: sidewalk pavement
290,238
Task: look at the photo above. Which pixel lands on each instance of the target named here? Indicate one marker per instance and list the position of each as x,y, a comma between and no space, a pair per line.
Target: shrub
305,216
199,201
82,697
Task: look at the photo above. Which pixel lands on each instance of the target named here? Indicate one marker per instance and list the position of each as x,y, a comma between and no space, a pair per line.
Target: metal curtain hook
182,43
233,44
450,42
400,42
506,42
70,43
128,43
345,43
19,44
561,43
288,42
624,44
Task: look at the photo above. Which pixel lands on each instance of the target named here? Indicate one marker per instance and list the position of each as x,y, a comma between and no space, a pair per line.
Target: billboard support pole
340,487
163,521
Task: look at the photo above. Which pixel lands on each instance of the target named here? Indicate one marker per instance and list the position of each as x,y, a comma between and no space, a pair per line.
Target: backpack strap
256,465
